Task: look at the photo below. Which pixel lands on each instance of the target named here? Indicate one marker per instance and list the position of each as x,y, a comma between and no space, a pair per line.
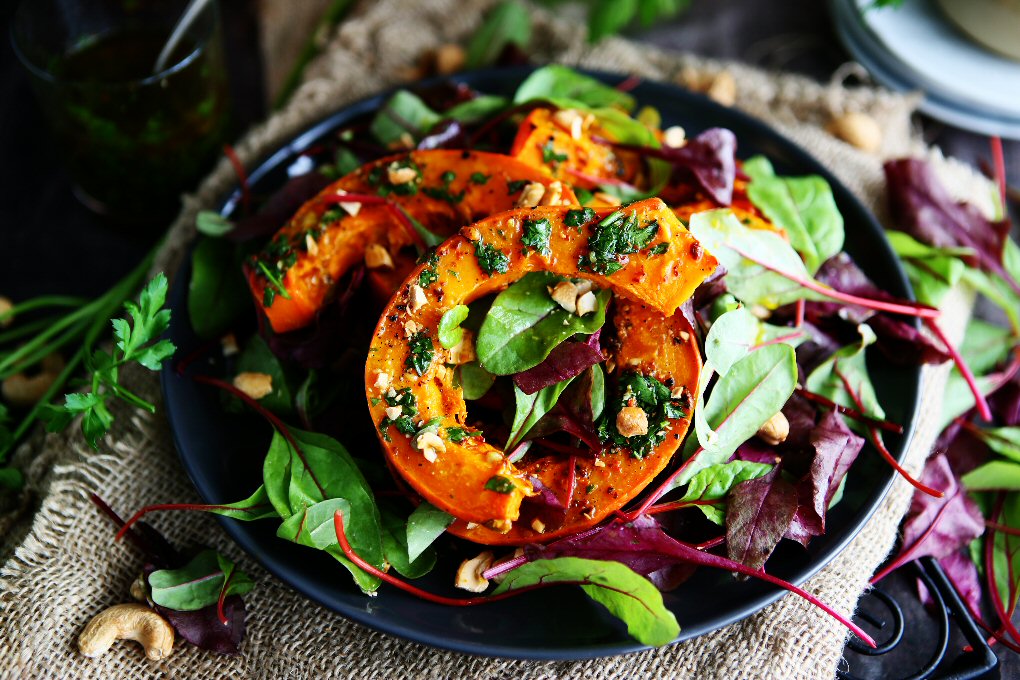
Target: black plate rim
293,579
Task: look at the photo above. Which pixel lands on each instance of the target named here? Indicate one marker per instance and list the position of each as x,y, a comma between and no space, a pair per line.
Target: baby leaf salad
545,334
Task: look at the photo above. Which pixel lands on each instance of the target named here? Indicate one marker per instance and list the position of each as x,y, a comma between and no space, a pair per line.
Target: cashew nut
857,129
127,622
632,421
531,195
255,385
377,256
6,306
449,58
775,430
24,390
469,575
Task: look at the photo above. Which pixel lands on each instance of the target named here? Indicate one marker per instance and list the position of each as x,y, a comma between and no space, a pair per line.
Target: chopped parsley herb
513,186
443,192
655,400
421,352
577,218
500,485
549,155
405,421
428,275
379,178
454,273
590,488
331,216
490,258
615,237
459,434
536,236
658,249
479,178
375,401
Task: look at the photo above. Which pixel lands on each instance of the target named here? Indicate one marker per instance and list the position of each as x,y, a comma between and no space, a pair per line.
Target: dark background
49,243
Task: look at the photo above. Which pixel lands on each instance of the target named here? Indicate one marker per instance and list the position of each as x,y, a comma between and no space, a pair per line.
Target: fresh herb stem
40,345
42,303
22,330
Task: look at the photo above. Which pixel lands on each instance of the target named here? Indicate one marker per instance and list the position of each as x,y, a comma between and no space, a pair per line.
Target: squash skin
312,279
648,288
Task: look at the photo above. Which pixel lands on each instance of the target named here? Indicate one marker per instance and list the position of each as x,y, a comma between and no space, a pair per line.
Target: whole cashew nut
25,390
128,622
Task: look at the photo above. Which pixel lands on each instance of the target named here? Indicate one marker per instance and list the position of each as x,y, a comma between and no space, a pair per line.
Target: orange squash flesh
541,140
342,244
649,289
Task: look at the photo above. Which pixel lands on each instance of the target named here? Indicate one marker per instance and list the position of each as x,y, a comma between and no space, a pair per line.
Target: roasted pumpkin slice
562,143
442,189
420,412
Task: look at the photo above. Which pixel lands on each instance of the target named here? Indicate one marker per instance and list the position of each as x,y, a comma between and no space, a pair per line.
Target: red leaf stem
628,83
850,412
876,439
679,505
242,176
779,339
961,365
995,526
661,490
801,307
1000,169
196,507
904,308
905,555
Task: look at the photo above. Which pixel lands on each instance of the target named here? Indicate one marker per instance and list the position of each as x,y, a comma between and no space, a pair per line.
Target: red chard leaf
567,360
204,629
1005,403
544,506
925,210
963,574
758,514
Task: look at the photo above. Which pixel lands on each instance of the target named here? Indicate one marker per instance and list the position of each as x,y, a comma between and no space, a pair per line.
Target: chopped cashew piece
228,345
571,120
416,298
377,256
382,380
127,622
255,385
538,526
311,246
351,208
394,412
631,421
430,444
398,175
552,194
531,195
775,430
410,328
503,526
723,89
564,294
587,303
450,58
674,136
469,574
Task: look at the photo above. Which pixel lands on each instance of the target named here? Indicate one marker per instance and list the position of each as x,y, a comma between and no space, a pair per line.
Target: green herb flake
459,434
658,249
490,258
615,237
428,275
536,236
577,218
654,398
479,178
443,193
500,485
516,185
421,352
550,156
405,421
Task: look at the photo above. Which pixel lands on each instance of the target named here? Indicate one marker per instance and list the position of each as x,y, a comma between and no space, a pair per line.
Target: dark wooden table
49,243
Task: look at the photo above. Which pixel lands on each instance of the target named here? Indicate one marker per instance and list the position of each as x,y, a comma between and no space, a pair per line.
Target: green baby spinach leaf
299,480
627,595
217,293
474,380
403,114
396,549
256,506
524,324
715,481
723,235
450,333
256,357
1004,441
199,583
752,391
424,526
995,475
508,23
803,206
211,223
731,338
848,363
569,89
932,271
531,407
477,109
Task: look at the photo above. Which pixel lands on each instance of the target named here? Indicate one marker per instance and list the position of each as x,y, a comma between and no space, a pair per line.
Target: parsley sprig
138,342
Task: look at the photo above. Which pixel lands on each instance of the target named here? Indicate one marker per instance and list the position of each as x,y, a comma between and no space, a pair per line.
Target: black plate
223,453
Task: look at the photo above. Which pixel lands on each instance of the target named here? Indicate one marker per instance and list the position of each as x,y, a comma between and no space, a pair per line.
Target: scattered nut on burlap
62,566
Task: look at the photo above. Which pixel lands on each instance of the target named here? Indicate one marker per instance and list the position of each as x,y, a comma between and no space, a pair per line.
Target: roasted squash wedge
411,390
442,189
562,144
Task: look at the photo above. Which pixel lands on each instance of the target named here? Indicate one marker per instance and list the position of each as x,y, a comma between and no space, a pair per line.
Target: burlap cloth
62,566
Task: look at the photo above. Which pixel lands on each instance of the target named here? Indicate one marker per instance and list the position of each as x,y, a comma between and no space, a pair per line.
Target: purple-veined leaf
567,360
926,211
758,514
204,629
